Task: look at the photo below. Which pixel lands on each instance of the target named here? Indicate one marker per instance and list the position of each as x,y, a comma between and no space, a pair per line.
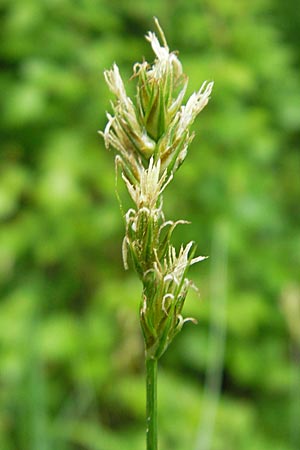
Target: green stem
151,408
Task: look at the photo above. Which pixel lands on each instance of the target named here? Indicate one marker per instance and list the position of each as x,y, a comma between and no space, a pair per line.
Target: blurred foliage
71,357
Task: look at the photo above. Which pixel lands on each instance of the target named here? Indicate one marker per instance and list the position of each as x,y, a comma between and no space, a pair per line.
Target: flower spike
151,134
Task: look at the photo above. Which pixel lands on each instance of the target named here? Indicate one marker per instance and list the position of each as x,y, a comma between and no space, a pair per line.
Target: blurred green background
71,355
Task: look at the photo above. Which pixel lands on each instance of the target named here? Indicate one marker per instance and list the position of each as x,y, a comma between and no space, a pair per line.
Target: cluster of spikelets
151,137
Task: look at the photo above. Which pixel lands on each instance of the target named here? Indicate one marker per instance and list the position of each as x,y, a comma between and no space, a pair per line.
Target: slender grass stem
151,407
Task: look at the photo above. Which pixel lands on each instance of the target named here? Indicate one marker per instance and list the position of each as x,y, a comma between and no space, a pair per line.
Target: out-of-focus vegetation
71,365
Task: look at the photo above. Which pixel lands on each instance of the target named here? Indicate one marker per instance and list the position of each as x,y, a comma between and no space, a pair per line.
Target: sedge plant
150,135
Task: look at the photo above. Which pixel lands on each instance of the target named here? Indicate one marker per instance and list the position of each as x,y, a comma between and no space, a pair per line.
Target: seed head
151,136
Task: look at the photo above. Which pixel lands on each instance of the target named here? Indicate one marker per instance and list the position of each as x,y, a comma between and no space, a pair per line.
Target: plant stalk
151,406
